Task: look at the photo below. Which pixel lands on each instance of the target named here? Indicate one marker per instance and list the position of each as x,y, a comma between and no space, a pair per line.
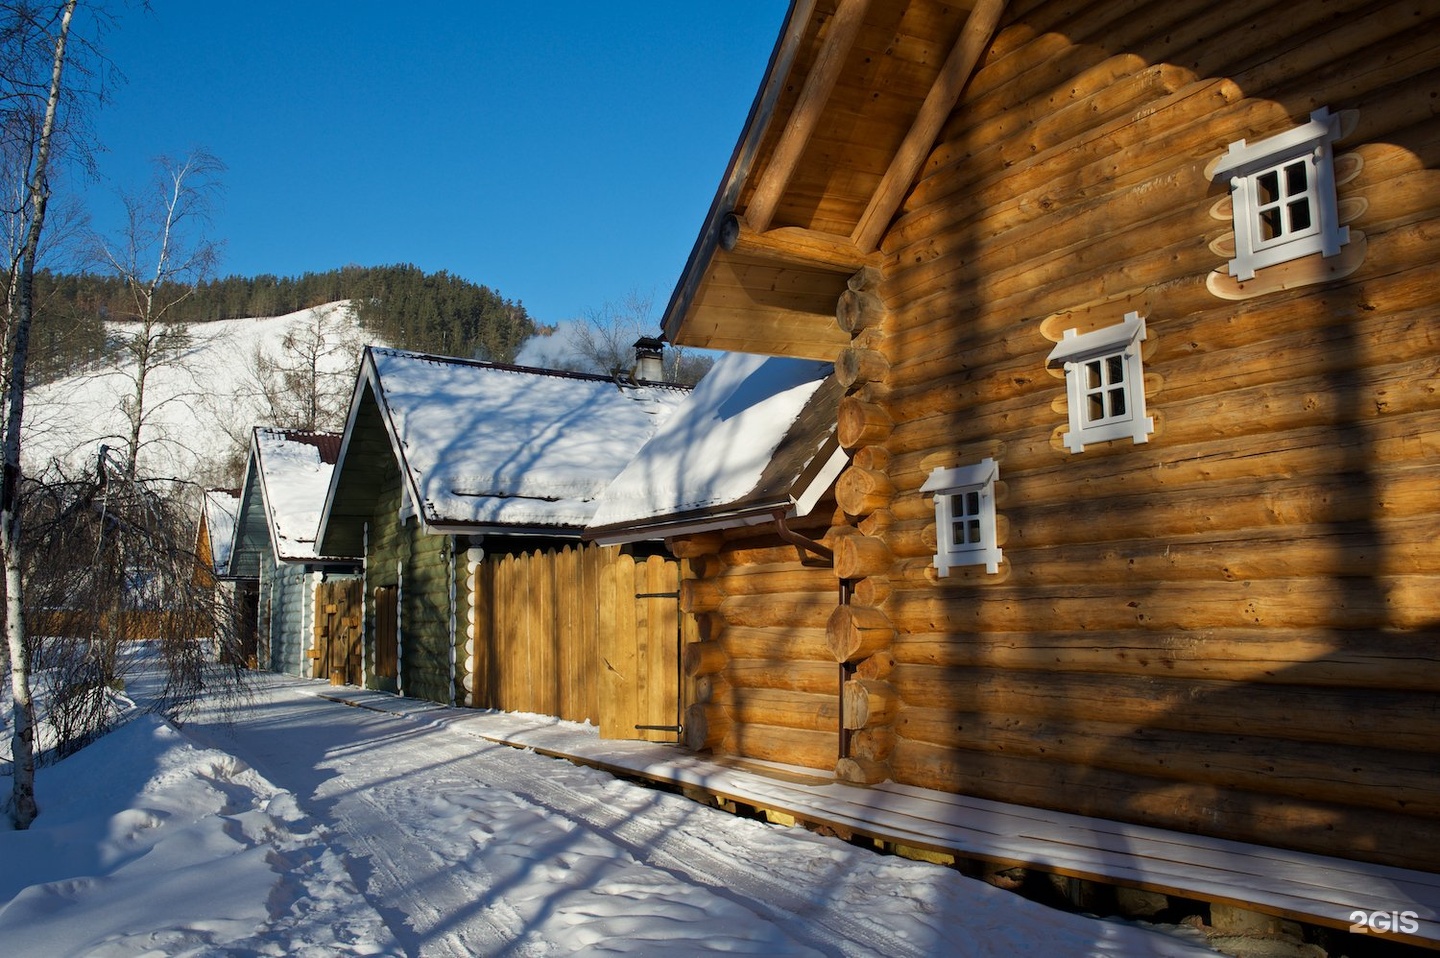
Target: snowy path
469,848
303,827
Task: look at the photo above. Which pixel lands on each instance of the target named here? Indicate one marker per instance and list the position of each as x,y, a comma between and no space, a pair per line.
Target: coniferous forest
400,305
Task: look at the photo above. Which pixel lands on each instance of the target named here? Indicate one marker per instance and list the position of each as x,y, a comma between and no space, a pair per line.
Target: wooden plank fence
584,633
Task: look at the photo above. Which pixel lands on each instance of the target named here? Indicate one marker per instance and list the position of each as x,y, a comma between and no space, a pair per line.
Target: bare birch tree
162,256
24,99
307,385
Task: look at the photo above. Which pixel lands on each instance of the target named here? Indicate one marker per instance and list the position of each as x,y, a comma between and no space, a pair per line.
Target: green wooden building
466,485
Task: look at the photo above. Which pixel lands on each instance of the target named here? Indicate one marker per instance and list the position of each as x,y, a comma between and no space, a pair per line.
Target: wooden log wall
1232,628
766,685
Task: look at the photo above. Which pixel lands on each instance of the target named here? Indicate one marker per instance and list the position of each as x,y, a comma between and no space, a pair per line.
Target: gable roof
493,447
285,482
757,436
218,514
853,99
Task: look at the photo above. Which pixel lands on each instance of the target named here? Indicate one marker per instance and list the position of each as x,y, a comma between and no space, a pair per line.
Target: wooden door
387,622
338,622
640,639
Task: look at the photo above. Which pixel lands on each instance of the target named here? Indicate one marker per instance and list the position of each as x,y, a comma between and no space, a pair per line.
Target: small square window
965,529
1104,383
1282,191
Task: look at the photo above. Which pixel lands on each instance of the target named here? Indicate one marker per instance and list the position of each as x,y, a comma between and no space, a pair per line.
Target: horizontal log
1399,839
861,771
861,556
862,491
1355,718
778,643
860,423
700,595
807,675
872,744
1384,780
871,457
866,278
877,666
1356,499
766,577
801,247
856,632
1398,661
1401,602
705,727
699,544
871,590
869,703
1379,455
856,311
855,367
807,748
704,658
784,708
789,609
1379,547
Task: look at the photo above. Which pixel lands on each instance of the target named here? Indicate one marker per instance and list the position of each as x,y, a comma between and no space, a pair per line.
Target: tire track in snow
694,861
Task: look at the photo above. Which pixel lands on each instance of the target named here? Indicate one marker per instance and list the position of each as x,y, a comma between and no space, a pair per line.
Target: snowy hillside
199,408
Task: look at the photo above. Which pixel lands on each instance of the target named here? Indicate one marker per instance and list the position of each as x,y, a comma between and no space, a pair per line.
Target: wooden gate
584,633
338,632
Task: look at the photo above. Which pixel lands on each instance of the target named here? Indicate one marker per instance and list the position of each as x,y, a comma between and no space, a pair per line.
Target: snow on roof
221,508
490,444
714,452
295,468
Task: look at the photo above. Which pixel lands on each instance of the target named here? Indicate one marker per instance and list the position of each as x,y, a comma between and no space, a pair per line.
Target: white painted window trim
947,484
1244,163
1074,351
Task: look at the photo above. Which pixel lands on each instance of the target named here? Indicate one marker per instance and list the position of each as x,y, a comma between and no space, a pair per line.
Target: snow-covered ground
300,826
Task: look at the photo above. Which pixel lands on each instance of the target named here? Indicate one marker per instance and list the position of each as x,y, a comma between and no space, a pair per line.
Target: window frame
1075,351
1244,164
947,485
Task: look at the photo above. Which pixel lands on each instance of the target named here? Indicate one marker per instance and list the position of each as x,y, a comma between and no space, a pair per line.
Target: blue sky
562,153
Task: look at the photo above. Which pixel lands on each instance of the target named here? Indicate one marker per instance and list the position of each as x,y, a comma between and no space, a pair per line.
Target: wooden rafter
941,99
819,84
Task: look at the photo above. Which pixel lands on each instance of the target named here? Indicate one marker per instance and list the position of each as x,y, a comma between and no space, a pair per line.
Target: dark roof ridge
516,368
327,443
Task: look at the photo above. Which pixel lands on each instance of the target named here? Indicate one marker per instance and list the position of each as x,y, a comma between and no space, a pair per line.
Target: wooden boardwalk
1311,888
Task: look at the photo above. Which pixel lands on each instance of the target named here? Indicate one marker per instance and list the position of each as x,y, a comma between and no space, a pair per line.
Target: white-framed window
965,531
1282,190
1104,383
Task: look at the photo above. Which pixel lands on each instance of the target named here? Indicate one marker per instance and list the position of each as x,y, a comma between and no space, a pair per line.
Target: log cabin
466,485
286,476
1131,305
